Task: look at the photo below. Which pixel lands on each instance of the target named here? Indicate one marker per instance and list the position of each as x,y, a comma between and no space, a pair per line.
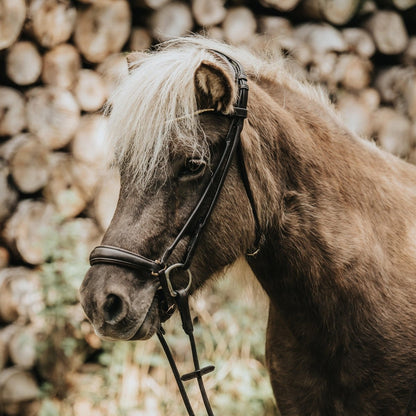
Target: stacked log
23,63
61,59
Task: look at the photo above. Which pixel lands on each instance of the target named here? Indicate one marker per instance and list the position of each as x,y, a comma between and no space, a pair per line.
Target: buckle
240,112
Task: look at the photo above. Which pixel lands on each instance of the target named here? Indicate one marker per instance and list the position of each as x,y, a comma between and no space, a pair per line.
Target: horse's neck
337,212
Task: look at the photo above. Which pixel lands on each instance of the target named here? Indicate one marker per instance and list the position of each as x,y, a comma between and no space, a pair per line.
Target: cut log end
389,32
12,111
52,21
12,17
23,63
61,66
90,90
172,20
53,115
102,29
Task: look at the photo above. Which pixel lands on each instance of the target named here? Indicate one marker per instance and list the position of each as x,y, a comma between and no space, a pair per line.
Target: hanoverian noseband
170,296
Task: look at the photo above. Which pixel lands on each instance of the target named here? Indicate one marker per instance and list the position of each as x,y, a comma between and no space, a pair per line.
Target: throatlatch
169,296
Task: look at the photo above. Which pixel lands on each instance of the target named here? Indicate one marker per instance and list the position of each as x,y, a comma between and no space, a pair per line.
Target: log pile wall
60,60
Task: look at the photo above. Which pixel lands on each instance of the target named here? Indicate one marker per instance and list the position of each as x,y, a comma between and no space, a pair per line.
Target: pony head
168,122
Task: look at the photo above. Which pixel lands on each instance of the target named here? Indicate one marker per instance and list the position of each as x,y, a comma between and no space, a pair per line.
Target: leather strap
121,257
192,228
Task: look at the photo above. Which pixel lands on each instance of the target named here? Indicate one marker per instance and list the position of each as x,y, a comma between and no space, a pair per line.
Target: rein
169,296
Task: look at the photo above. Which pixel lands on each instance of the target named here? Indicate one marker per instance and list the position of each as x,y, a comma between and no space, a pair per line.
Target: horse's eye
192,167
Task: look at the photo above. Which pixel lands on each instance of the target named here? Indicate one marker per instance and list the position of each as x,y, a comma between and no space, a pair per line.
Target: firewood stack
60,60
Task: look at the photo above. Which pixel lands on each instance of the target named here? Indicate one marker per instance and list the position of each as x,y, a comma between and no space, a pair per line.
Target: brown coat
338,261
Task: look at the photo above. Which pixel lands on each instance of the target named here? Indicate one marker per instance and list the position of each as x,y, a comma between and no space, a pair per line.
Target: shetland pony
337,217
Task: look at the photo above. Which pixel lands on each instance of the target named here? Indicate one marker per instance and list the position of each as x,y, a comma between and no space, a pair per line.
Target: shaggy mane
155,108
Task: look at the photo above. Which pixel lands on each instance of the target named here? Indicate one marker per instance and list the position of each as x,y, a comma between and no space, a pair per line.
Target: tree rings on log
52,21
12,111
23,63
102,29
28,231
61,66
53,115
12,17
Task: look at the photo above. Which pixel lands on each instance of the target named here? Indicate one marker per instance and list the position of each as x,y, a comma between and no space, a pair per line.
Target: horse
323,218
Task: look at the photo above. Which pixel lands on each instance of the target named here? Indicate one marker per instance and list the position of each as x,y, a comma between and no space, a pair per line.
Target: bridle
169,296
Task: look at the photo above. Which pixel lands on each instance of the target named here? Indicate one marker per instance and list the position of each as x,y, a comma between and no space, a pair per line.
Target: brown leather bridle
169,295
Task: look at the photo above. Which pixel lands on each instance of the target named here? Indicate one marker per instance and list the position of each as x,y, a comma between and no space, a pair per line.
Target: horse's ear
215,87
134,60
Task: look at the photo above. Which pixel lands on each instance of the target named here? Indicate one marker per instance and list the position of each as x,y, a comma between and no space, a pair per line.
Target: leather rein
169,296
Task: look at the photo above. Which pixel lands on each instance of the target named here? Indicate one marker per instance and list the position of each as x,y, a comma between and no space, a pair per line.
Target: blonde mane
155,108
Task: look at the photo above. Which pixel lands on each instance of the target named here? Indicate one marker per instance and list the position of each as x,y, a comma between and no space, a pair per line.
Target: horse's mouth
150,323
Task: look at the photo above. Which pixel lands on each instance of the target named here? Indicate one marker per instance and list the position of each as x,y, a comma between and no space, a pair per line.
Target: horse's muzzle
116,310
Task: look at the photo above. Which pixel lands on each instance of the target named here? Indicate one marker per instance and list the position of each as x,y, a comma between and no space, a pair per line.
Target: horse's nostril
113,309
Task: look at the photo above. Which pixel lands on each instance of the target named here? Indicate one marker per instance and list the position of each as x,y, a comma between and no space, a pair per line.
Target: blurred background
59,61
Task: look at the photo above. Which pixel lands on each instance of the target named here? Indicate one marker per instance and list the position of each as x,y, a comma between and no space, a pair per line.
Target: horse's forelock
150,108
154,109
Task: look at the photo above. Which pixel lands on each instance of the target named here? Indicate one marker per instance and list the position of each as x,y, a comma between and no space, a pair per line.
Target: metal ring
172,291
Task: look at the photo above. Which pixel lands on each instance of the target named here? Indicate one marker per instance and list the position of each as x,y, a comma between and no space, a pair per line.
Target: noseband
170,296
